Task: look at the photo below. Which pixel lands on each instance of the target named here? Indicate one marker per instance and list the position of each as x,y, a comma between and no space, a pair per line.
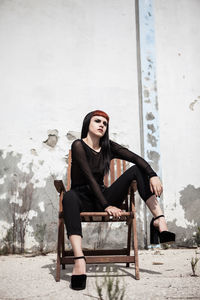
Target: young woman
91,156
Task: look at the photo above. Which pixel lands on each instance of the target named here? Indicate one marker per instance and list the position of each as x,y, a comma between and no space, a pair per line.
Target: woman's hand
113,211
156,186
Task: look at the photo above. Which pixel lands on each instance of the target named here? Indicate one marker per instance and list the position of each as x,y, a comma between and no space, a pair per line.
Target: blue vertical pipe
149,113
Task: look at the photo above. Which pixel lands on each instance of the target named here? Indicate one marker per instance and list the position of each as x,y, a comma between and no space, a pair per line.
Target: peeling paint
52,138
34,152
73,135
150,116
146,93
190,201
2,180
154,157
16,200
4,227
151,127
26,184
193,103
151,140
3,196
184,235
41,206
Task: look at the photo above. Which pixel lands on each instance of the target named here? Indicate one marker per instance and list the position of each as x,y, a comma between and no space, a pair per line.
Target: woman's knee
70,198
133,171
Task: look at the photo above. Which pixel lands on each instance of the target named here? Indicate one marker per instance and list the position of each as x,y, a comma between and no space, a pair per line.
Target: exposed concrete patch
152,140
190,200
4,227
154,157
2,180
193,103
34,152
41,206
151,127
52,138
24,203
184,236
150,116
73,135
146,93
3,196
156,99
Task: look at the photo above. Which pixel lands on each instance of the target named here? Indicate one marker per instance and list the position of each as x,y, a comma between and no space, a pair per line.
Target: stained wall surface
60,60
178,58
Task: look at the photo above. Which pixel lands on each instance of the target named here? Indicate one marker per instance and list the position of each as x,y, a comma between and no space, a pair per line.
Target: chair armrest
59,186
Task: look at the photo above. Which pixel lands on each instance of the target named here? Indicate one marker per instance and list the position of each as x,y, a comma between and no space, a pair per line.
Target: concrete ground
165,274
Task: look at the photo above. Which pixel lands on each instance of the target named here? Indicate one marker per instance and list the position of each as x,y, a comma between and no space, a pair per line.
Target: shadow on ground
97,271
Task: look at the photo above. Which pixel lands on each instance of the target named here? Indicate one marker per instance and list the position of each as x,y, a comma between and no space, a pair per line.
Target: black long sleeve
88,166
118,151
81,166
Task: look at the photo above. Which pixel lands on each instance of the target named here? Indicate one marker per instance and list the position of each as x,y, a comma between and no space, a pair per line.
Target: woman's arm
78,153
121,152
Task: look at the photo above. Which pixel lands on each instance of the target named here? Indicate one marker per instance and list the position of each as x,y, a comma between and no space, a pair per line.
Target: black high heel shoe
164,236
78,282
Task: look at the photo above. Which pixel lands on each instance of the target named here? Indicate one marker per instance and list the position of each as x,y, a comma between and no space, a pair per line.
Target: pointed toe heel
78,282
163,237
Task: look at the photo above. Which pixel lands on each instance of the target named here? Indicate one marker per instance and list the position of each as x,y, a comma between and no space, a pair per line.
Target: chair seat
104,217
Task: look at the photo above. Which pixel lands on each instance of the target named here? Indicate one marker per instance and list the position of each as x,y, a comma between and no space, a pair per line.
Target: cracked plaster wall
59,61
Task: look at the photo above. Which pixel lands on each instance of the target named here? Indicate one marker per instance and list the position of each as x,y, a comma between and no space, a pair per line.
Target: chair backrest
117,167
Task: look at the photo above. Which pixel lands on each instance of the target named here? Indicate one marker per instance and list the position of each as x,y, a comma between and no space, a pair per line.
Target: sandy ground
165,274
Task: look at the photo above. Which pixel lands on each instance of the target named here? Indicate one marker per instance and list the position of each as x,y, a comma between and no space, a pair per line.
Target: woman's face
98,126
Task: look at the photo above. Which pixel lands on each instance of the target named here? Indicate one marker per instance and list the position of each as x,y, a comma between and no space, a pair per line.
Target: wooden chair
102,256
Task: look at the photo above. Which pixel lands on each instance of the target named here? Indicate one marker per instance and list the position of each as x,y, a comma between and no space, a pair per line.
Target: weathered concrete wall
178,73
58,60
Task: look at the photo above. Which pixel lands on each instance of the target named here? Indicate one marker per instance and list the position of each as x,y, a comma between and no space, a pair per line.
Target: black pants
82,198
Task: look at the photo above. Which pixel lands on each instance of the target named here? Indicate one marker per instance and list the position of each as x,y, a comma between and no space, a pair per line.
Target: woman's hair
104,141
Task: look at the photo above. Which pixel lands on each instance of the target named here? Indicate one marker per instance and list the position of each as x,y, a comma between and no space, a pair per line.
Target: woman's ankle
79,267
161,224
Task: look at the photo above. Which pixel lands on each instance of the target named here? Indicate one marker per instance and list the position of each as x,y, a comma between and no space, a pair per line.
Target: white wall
178,73
60,60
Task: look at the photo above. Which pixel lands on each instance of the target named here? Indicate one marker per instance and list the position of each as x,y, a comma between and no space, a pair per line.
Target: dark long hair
104,141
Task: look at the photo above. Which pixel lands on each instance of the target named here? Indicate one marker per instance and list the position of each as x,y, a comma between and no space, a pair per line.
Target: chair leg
58,268
58,251
63,242
135,247
128,243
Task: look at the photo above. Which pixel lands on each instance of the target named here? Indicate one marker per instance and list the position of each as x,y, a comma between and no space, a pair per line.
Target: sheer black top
88,168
